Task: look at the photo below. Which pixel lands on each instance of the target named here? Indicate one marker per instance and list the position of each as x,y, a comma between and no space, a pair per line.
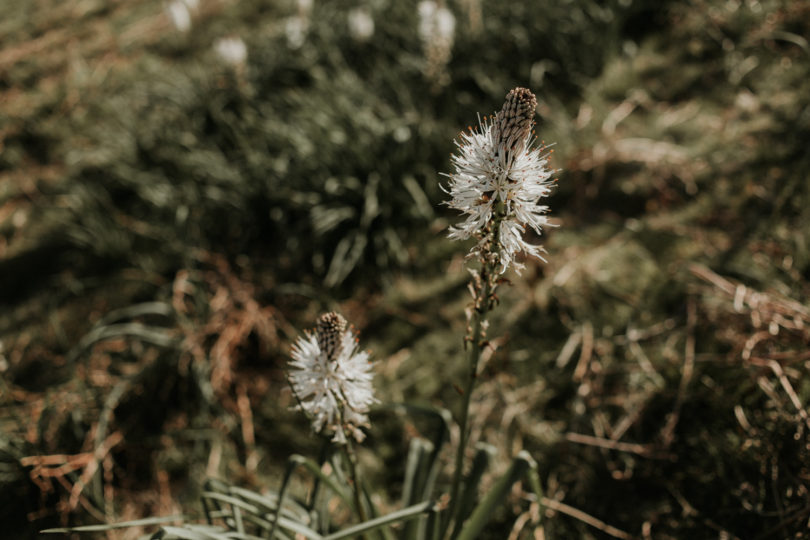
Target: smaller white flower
437,27
332,379
361,25
231,50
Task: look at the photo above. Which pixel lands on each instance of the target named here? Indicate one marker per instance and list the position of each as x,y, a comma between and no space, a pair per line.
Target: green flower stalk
499,179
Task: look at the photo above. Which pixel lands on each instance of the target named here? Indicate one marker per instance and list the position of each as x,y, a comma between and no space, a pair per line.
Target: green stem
481,307
479,314
351,459
323,457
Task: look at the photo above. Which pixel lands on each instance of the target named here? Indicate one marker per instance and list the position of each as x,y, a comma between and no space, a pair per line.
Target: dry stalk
575,513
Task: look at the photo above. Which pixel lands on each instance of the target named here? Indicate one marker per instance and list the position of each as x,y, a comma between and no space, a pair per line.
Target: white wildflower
436,23
296,29
499,179
332,380
437,27
179,14
231,50
361,25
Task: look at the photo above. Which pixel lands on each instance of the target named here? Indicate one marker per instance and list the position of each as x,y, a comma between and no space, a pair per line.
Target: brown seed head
514,121
329,332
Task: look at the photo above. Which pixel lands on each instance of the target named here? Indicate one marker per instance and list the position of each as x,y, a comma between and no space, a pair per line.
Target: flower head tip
513,123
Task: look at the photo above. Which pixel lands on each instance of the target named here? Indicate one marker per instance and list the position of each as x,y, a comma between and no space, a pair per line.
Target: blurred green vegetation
169,222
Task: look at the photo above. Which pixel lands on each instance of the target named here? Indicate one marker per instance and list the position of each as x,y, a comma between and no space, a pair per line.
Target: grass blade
417,470
496,496
373,524
481,461
110,526
294,462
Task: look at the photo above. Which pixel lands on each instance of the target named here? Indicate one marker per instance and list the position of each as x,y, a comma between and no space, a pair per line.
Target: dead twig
585,518
587,352
644,450
668,431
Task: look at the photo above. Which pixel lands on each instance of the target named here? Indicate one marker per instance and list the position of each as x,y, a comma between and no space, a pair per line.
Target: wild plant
500,177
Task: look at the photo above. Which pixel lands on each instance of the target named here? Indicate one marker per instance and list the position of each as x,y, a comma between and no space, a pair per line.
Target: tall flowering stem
476,341
499,179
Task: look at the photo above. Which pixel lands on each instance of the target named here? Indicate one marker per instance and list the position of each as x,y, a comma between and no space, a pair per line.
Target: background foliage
168,222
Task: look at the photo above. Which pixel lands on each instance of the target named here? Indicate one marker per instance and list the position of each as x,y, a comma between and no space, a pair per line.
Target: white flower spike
332,380
500,177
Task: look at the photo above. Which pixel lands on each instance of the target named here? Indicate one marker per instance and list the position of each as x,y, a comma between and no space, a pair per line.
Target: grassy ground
169,223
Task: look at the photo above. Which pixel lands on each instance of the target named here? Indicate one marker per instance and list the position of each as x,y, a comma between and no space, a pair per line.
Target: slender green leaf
149,334
210,533
110,526
420,198
417,470
237,518
291,465
496,496
300,461
315,470
207,529
227,516
136,310
253,514
323,456
234,501
442,416
433,524
469,494
443,419
384,532
347,254
298,528
283,523
372,524
269,502
533,476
